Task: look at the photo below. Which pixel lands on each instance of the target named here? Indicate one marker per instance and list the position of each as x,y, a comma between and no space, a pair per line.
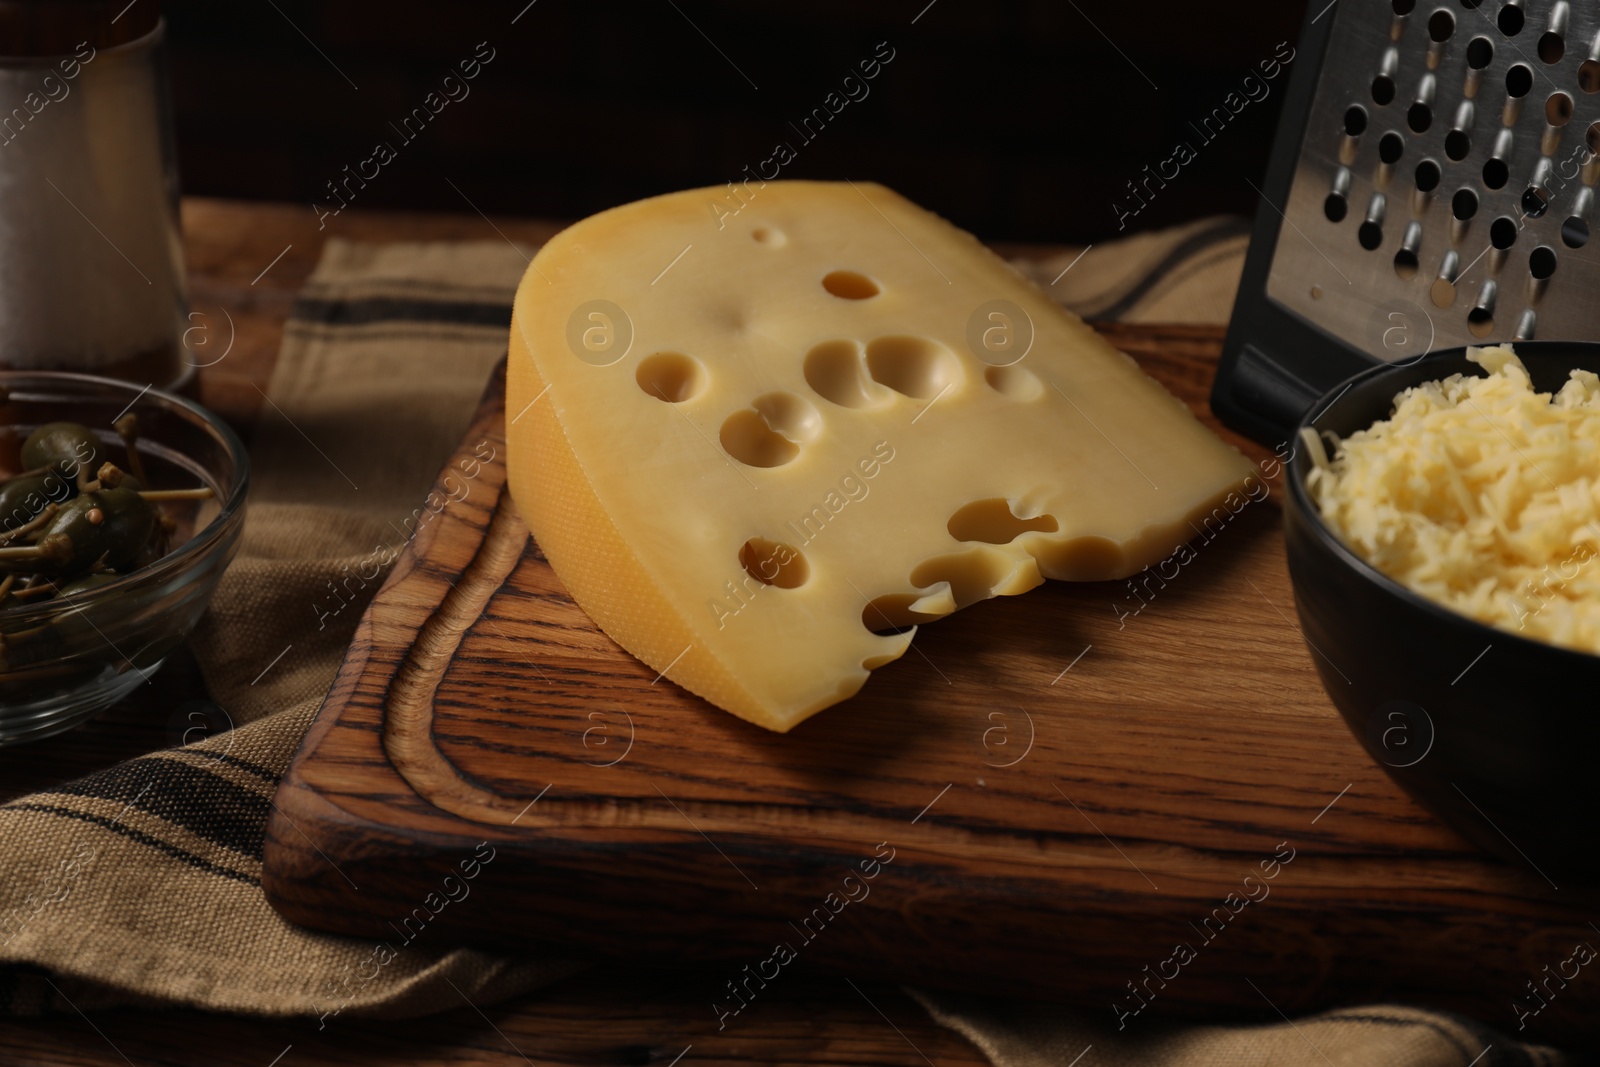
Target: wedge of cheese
756,429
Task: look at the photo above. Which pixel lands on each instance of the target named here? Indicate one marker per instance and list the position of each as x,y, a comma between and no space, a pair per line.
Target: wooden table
611,1015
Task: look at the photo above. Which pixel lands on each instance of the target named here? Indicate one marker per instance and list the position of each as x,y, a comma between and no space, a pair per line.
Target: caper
153,550
69,447
132,519
111,476
109,523
127,427
24,499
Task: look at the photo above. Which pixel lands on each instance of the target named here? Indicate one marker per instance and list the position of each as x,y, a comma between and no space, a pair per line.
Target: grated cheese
1481,495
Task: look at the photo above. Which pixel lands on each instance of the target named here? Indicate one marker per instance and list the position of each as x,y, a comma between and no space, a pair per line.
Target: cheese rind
742,439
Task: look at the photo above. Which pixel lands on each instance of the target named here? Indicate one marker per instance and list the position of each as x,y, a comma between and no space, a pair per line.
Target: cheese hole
774,563
795,417
1017,383
1082,559
993,522
834,369
763,235
848,285
749,439
671,376
771,430
913,366
973,575
892,614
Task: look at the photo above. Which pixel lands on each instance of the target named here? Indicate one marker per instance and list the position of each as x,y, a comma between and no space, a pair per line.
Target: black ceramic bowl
1496,733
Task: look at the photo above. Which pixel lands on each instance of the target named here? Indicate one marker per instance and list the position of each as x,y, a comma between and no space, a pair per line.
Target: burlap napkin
142,883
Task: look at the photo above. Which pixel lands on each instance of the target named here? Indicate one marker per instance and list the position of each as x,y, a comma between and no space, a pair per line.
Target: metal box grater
1432,185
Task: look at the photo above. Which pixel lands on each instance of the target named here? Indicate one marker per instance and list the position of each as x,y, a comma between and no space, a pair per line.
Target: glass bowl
64,660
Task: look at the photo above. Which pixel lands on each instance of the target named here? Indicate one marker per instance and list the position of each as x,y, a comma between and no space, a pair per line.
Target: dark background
1017,119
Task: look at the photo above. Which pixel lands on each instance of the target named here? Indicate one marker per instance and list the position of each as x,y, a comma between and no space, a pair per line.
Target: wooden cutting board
1046,797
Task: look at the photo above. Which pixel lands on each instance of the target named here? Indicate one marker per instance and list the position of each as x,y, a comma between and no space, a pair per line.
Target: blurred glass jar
91,254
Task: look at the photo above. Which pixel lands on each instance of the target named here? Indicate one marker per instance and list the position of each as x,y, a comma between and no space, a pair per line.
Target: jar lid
60,27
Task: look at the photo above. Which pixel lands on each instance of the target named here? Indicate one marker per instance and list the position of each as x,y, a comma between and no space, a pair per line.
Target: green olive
24,499
67,446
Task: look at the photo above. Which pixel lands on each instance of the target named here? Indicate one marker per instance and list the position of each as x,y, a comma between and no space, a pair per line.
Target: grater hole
1457,144
1589,76
1480,321
1552,46
1480,52
1442,292
1405,264
1535,201
1403,7
1419,117
1510,20
1383,90
1428,175
1335,207
1503,232
1575,232
1519,79
1391,146
1558,109
1542,262
1592,137
1355,120
1471,5
1496,173
1464,204
1441,24
1370,235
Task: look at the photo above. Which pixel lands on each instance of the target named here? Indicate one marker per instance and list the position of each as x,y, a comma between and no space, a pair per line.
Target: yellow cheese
1482,495
749,428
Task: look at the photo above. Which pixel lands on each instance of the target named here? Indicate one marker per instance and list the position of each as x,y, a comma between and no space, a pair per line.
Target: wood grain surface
1071,784
246,262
